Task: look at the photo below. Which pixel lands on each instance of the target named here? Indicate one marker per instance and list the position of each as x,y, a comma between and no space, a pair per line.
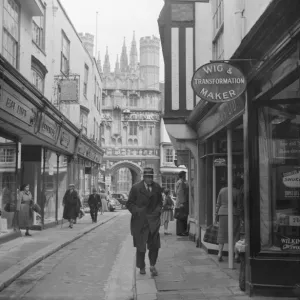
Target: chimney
88,42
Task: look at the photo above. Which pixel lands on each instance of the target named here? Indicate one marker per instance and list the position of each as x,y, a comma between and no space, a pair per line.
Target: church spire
133,54
117,67
106,66
124,58
99,64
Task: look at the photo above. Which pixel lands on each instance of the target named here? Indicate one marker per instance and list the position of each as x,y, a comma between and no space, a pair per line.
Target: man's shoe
142,271
153,271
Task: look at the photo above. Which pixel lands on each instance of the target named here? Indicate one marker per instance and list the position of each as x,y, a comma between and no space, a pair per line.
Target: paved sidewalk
21,254
188,273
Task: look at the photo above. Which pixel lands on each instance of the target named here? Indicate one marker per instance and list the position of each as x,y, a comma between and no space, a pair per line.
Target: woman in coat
71,204
222,216
167,211
104,201
26,213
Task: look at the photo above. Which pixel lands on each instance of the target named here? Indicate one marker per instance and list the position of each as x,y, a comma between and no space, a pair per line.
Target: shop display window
50,187
62,183
279,177
8,186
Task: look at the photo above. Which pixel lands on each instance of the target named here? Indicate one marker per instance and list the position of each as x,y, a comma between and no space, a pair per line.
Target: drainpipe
57,185
230,200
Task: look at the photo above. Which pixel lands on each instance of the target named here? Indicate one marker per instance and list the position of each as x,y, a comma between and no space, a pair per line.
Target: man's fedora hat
182,173
148,172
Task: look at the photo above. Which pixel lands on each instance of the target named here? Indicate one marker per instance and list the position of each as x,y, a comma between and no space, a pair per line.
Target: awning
172,170
181,132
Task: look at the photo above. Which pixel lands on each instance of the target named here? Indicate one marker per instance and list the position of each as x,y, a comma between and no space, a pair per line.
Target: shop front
37,147
256,137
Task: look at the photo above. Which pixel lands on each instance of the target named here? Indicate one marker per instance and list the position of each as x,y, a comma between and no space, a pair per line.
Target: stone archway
135,170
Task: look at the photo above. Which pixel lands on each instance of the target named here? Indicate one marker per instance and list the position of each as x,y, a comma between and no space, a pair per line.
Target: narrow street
97,266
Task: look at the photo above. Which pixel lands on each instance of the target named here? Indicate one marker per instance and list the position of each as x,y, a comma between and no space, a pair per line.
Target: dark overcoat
72,205
145,208
94,201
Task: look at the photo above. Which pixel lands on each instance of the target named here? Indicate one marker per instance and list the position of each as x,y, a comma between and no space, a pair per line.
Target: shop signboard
220,162
14,104
289,243
49,128
69,90
289,148
218,82
288,182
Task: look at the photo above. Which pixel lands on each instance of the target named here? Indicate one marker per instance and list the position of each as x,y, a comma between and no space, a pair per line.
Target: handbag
36,208
10,207
81,213
180,214
211,234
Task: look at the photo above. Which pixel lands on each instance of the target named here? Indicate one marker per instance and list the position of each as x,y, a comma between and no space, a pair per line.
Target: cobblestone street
96,266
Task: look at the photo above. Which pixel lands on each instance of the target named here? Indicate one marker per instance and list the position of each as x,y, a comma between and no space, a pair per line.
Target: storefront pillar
44,186
201,186
57,187
214,185
230,200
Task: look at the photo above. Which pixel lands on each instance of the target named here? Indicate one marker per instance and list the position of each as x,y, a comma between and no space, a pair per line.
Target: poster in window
288,182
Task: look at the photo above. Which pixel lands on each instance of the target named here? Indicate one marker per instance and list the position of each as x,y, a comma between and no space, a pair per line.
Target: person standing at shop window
16,219
222,215
167,211
26,213
72,204
94,202
182,204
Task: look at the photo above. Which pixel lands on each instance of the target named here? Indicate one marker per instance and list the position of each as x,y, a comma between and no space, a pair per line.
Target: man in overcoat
145,204
72,204
94,202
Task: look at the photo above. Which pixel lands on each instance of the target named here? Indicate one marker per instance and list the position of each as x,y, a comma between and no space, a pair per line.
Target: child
167,211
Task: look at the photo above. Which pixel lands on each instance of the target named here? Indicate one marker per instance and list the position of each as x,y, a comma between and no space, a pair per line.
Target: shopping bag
36,208
211,234
9,207
81,213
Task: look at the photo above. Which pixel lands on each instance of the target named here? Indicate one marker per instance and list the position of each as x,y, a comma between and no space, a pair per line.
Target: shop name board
220,162
218,82
13,106
289,243
49,128
65,139
88,152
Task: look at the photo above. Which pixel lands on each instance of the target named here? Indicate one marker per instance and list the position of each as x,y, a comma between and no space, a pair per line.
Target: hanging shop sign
218,82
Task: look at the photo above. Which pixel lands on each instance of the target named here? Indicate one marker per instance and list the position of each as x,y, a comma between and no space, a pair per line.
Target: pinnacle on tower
124,58
106,66
133,54
117,67
99,64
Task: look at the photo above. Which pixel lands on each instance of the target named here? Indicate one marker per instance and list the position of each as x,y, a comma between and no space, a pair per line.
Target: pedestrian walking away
94,202
145,204
72,205
167,211
26,213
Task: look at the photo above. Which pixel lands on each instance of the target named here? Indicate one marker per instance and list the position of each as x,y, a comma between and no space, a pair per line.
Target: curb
134,279
11,274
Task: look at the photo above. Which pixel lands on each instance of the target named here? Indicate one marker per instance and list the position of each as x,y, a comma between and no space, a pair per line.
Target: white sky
116,19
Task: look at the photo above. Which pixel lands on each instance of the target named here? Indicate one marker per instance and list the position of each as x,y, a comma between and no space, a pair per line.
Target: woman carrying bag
26,213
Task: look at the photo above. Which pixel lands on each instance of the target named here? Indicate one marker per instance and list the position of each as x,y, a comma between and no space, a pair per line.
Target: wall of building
239,18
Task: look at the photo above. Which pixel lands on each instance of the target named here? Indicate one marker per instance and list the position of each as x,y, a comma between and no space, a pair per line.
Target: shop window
65,54
11,17
7,180
38,31
279,177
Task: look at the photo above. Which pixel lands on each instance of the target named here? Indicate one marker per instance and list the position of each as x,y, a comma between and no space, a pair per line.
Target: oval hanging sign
218,82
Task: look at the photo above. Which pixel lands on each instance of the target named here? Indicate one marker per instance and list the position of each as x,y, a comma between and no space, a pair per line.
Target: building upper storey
194,32
39,40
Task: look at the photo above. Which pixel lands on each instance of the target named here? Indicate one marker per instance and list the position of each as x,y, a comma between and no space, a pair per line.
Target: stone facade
131,107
